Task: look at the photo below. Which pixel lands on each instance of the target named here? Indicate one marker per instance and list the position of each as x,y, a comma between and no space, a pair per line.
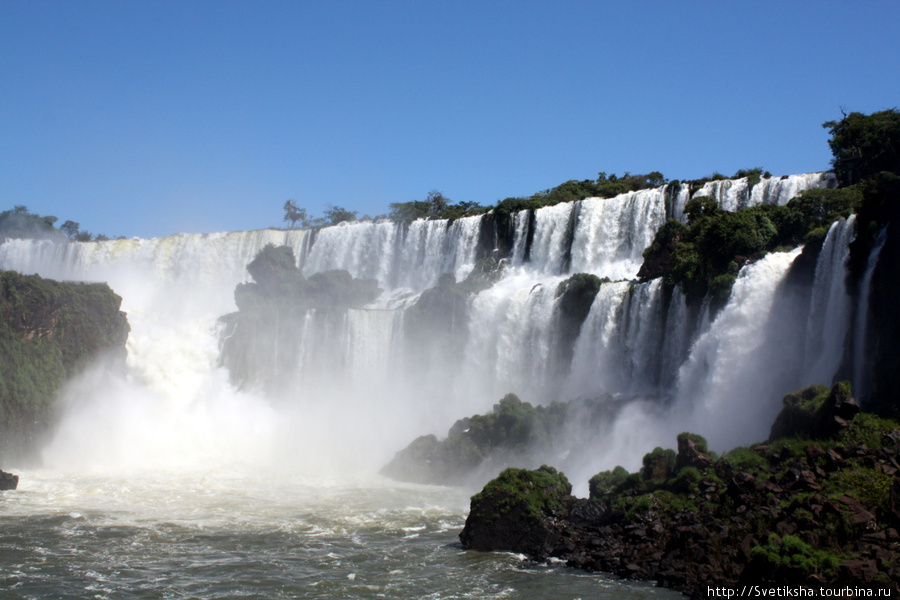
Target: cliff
49,331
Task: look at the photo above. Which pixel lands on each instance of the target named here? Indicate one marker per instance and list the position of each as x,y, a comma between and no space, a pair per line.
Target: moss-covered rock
815,412
795,511
519,511
49,332
512,431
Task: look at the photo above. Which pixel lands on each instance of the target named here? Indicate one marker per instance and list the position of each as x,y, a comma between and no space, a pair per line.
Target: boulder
520,511
692,452
8,481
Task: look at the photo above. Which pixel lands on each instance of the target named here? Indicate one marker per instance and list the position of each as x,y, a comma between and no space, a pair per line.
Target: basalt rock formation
793,511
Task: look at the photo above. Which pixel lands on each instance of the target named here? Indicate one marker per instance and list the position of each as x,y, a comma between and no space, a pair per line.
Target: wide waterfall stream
168,480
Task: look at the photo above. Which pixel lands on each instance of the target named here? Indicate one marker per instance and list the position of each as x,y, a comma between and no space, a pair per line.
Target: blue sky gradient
149,118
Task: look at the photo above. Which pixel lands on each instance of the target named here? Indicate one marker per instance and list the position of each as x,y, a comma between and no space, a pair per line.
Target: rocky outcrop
511,432
514,432
8,481
260,342
792,511
49,331
519,511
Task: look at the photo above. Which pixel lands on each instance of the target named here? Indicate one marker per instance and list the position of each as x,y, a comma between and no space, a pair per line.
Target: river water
157,535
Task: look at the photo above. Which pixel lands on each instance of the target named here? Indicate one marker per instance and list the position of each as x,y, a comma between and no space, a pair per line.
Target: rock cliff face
49,331
792,511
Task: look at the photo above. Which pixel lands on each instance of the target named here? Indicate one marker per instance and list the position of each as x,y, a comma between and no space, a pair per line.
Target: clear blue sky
148,118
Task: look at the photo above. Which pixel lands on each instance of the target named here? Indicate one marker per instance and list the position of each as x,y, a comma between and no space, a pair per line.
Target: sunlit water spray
174,472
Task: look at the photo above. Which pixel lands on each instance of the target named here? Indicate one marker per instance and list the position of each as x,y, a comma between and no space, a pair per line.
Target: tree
294,213
70,228
337,214
865,145
409,211
438,202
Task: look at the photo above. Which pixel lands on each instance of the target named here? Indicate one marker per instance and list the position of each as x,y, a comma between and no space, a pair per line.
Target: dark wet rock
777,516
8,481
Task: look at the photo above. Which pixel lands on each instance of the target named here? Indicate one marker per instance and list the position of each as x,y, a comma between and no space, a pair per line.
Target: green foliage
70,228
337,214
701,206
686,481
658,464
512,429
753,176
48,332
21,223
791,551
698,440
294,214
867,429
870,486
641,505
864,145
659,256
746,459
807,413
405,212
536,494
435,206
705,257
605,482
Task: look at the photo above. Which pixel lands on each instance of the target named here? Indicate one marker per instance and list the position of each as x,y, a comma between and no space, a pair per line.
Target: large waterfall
359,385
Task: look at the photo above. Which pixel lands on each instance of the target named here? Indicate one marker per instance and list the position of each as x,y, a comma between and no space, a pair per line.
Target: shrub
605,482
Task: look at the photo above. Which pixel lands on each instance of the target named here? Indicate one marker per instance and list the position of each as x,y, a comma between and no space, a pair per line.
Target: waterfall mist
335,392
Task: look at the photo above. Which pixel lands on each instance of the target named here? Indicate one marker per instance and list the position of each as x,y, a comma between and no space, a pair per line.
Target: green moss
870,486
536,493
605,482
698,440
746,459
658,464
791,551
49,331
868,430
641,505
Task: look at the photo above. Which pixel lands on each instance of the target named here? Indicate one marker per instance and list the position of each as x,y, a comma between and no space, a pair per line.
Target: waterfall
551,237
862,367
830,306
334,381
619,346
611,234
511,336
734,194
731,194
735,376
411,257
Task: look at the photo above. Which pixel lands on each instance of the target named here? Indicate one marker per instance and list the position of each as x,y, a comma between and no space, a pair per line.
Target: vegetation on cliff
705,255
510,433
818,505
49,331
19,222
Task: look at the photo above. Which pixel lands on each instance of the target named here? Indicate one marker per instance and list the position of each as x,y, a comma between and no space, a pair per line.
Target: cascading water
176,438
830,306
862,367
734,194
720,383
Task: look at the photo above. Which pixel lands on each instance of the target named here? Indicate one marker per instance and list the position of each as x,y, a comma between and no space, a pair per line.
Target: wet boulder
8,481
520,511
